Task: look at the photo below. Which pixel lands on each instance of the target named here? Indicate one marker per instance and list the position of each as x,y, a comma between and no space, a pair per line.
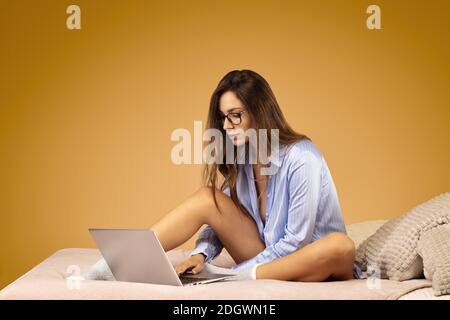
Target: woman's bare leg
329,258
232,226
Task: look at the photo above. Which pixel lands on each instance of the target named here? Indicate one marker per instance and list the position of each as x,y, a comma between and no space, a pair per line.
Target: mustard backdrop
86,115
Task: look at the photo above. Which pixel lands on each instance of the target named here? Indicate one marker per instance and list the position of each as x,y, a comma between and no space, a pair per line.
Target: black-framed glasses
234,117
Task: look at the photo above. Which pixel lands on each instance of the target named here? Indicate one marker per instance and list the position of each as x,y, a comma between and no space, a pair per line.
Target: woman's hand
194,263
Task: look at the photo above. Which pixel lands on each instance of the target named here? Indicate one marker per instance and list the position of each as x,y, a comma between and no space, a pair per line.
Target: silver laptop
136,255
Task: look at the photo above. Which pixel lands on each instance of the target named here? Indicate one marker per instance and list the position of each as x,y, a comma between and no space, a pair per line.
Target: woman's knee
341,246
344,257
205,194
205,198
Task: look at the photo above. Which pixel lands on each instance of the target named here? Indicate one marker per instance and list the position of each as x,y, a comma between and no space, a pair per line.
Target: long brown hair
257,96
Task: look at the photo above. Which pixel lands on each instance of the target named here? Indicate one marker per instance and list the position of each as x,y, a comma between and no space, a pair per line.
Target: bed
57,278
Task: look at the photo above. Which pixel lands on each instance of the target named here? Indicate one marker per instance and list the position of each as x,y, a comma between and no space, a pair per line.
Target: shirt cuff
202,248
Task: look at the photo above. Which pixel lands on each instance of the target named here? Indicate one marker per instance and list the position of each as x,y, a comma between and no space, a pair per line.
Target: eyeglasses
234,117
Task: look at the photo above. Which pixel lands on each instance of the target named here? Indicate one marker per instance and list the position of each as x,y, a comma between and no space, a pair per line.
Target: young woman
284,226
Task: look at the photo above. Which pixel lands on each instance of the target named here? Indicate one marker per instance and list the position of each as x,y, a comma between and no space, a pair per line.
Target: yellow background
86,115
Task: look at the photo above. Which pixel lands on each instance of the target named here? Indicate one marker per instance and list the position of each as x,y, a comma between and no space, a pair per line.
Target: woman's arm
208,244
304,196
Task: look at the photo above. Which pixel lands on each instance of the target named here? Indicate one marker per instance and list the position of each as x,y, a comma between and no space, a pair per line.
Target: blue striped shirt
302,205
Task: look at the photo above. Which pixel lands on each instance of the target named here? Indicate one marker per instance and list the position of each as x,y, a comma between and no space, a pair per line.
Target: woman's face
230,105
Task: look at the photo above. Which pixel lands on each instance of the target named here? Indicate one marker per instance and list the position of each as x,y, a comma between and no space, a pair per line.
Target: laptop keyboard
187,280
